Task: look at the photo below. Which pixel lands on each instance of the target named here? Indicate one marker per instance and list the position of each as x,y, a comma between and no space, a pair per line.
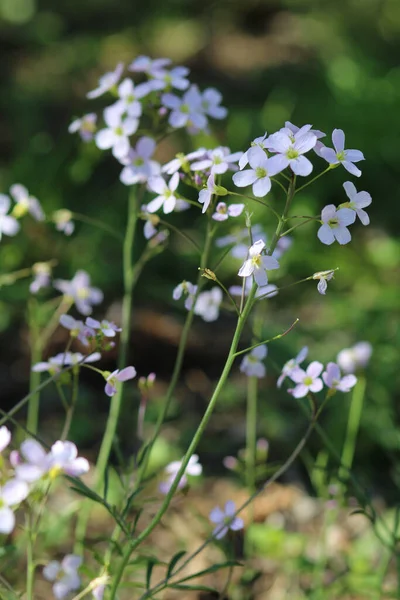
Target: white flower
324,277
116,135
8,225
225,520
291,365
106,82
357,357
25,203
13,492
257,264
5,437
208,303
251,364
166,197
64,574
193,468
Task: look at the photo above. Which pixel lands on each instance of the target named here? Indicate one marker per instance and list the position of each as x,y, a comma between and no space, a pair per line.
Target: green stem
192,447
30,564
251,431
34,378
329,168
98,224
179,357
300,225
353,425
277,215
116,401
242,319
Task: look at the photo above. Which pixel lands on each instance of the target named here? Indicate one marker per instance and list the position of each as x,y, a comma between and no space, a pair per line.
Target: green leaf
199,588
152,562
173,562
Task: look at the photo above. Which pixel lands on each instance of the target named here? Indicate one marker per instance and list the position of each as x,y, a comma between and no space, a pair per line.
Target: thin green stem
99,224
192,447
264,204
30,563
242,319
116,401
353,425
181,233
179,357
279,183
300,225
276,337
289,461
34,378
251,431
329,168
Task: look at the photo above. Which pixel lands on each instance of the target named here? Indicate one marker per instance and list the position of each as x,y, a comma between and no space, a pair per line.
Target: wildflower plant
141,105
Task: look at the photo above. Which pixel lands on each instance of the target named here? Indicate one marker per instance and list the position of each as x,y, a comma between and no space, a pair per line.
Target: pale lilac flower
252,364
334,224
193,468
319,134
106,328
166,197
151,223
139,166
169,78
240,249
307,381
291,365
333,378
41,277
8,225
63,221
64,574
183,161
225,519
117,376
218,160
32,461
354,358
188,289
211,104
80,292
260,142
323,277
77,329
64,359
290,148
5,438
106,82
13,492
63,458
262,169
358,201
340,155
85,126
185,111
222,211
129,96
257,264
24,203
144,64
206,194
116,134
282,246
208,303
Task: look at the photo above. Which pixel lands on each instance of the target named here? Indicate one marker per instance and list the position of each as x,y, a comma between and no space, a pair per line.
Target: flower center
292,153
185,108
333,222
119,131
138,162
341,155
307,380
261,172
83,293
130,99
256,260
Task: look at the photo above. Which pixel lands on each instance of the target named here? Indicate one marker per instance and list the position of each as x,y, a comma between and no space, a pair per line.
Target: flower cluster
310,380
29,465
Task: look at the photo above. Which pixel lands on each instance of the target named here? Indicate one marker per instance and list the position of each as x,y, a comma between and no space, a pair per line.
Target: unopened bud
208,274
220,191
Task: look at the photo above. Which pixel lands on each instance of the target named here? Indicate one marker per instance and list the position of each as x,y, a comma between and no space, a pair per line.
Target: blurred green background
332,64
